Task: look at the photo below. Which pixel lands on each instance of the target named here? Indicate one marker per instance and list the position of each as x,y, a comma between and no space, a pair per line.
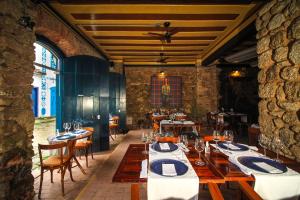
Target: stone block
291,118
280,54
265,60
278,123
263,44
276,21
279,39
266,8
290,73
279,7
289,106
261,77
267,90
296,151
261,33
295,28
258,24
287,136
292,90
294,54
272,74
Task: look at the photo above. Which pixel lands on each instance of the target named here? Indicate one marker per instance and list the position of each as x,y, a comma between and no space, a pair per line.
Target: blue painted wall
85,95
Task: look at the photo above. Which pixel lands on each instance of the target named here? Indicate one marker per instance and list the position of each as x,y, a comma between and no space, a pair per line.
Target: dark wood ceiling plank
152,29
117,16
153,38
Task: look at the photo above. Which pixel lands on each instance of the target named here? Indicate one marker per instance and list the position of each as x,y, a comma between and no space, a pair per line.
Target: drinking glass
145,140
278,144
69,126
263,141
65,126
216,138
185,140
199,147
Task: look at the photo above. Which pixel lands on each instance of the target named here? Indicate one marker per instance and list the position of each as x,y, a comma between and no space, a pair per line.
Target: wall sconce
237,74
162,74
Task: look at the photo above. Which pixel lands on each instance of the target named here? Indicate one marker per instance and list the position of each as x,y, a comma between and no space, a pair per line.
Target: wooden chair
113,128
155,127
85,145
253,134
61,162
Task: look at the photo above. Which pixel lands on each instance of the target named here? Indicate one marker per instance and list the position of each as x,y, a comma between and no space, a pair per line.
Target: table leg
78,164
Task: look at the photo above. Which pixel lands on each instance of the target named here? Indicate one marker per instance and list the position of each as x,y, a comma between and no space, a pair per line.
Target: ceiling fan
167,36
162,58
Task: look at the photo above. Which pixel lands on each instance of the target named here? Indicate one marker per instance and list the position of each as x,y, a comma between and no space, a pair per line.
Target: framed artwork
166,92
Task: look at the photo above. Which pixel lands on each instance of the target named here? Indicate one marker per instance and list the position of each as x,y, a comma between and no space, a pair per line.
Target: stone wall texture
16,116
278,26
199,89
66,39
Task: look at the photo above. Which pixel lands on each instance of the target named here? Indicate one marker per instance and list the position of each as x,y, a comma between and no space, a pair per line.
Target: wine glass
199,147
76,126
216,138
144,139
228,137
263,140
185,140
278,145
69,125
65,126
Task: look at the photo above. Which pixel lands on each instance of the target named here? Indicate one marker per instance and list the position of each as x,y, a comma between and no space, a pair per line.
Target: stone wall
16,116
198,84
278,26
208,88
59,33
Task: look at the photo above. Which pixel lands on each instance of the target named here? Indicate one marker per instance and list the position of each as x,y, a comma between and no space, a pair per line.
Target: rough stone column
207,88
16,116
278,26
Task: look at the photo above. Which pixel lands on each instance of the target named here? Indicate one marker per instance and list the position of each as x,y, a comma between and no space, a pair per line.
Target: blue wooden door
34,97
53,101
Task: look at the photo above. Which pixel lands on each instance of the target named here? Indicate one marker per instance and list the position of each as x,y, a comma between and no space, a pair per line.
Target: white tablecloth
178,187
271,186
168,122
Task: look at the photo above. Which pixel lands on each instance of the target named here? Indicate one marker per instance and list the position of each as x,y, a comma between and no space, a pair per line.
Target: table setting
273,179
170,174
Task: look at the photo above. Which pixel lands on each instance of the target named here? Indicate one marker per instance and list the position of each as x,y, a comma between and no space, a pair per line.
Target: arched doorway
45,94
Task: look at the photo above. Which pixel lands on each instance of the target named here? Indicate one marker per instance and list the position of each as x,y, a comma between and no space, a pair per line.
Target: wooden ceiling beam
152,16
151,38
152,29
103,44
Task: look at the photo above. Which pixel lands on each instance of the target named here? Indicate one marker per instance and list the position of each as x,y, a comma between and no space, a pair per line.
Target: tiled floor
97,184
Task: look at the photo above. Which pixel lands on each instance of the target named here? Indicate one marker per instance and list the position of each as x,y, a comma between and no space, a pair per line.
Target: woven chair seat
53,161
82,144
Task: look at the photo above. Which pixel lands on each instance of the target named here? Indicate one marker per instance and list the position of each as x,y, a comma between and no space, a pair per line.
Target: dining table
72,135
176,125
218,167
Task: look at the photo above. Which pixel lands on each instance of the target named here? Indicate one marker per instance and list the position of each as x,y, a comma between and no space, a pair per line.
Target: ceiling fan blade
155,34
173,31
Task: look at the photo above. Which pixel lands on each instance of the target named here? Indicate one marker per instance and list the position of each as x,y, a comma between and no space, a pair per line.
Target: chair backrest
253,134
56,146
167,139
91,129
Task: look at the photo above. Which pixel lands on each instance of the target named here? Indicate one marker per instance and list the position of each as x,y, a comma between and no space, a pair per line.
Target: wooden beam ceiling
120,28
